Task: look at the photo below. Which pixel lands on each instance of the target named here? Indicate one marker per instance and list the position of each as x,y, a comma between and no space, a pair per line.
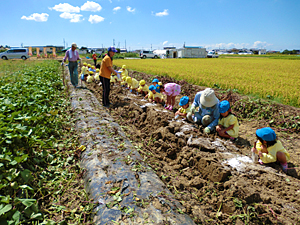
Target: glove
62,63
189,116
193,109
207,130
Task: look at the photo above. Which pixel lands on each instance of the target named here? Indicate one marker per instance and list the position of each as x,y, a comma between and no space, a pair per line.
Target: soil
213,178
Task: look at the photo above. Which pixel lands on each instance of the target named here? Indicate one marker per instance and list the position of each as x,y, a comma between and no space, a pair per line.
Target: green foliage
33,114
249,108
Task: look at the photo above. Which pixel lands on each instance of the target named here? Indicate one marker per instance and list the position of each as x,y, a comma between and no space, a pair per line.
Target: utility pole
114,42
151,47
125,44
64,44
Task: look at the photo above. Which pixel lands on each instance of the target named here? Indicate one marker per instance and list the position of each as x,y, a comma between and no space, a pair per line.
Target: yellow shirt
145,88
84,70
272,151
104,71
150,95
124,72
134,84
185,111
113,78
156,95
228,121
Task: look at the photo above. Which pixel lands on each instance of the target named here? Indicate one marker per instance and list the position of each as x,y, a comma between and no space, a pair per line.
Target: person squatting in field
153,96
73,56
105,73
208,113
143,88
269,149
184,107
133,85
228,125
84,72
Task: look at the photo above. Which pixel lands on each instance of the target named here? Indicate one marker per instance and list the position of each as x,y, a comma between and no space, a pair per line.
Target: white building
191,52
262,52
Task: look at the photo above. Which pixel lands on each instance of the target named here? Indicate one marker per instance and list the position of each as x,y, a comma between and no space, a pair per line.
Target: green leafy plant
38,159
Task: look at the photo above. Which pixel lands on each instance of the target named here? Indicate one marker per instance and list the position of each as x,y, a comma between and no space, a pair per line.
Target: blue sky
270,24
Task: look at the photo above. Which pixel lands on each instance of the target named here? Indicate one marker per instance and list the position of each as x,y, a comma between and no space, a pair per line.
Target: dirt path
213,178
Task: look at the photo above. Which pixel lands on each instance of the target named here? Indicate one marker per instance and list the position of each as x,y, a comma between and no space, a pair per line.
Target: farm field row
38,151
276,79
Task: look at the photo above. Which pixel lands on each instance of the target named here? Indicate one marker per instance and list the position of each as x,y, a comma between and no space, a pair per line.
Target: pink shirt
74,56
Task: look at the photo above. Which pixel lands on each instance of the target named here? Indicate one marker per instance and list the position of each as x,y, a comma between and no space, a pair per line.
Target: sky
144,24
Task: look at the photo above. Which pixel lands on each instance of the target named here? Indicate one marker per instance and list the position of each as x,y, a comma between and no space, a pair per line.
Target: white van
16,53
147,54
212,54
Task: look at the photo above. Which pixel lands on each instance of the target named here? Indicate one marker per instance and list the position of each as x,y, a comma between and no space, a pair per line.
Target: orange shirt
94,56
104,71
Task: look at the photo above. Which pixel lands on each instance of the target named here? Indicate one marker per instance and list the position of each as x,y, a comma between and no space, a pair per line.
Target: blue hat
184,100
111,49
155,80
224,106
151,88
266,133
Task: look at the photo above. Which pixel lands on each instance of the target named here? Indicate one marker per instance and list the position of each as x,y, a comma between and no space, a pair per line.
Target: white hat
74,45
208,98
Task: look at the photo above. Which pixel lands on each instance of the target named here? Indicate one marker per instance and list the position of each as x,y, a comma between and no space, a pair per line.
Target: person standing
95,59
105,71
72,55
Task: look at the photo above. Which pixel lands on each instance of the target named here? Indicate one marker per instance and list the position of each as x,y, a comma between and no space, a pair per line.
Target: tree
286,52
294,52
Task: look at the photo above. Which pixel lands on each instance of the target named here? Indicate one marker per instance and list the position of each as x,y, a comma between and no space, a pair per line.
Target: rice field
276,79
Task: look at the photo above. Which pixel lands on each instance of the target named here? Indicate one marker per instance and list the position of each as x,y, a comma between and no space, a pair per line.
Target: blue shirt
157,88
203,111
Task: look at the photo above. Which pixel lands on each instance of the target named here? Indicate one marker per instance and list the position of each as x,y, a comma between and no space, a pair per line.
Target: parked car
16,53
212,54
147,54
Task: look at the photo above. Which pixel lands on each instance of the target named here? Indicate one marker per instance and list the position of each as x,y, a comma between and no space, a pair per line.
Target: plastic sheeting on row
126,188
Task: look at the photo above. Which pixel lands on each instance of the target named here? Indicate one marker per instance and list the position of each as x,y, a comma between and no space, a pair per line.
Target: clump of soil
198,168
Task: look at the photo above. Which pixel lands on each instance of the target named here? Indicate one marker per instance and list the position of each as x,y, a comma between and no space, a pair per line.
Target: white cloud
116,9
129,9
256,44
165,42
95,19
91,6
73,17
261,44
43,17
164,13
65,7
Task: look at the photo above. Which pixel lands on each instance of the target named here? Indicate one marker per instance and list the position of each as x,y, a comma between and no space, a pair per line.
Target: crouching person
208,113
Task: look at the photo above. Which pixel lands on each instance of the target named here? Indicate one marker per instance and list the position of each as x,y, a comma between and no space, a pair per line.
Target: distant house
123,50
49,48
262,51
190,52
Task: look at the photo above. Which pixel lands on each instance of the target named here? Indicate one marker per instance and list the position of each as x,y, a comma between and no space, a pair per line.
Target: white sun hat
208,98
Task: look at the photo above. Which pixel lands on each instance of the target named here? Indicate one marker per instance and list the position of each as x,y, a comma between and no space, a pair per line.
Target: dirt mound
213,178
